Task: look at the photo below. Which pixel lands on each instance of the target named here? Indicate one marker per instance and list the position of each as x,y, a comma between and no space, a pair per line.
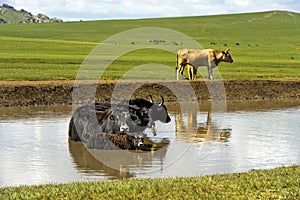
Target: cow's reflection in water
86,163
117,163
188,127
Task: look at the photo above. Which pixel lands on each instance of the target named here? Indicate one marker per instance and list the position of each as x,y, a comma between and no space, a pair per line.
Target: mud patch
60,92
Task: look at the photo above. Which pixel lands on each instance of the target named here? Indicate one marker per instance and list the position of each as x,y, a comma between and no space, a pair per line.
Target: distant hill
8,14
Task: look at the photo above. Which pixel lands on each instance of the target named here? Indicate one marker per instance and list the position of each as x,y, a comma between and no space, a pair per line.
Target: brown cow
195,58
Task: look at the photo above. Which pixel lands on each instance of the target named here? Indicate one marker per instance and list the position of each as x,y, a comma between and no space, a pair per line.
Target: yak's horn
151,99
162,100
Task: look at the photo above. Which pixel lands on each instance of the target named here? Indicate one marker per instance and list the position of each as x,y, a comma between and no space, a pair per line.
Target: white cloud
116,9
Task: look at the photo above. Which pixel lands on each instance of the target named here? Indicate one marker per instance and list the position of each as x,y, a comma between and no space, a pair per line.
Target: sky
75,10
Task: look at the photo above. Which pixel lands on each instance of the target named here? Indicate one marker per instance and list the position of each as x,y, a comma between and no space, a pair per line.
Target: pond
250,135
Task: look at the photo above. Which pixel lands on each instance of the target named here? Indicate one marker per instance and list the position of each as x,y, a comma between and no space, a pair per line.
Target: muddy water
249,135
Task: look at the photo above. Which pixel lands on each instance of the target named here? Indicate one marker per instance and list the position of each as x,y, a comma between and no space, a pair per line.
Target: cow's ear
223,52
227,50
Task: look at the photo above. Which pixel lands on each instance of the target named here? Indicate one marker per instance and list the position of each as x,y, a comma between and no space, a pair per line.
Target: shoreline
33,93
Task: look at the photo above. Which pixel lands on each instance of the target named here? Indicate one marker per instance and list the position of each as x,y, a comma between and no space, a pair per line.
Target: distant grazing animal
195,58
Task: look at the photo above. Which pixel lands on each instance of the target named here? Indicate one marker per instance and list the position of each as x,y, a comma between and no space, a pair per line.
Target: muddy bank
60,92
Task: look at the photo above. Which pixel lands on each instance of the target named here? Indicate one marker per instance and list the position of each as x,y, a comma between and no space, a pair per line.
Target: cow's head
116,121
138,120
127,120
159,112
226,57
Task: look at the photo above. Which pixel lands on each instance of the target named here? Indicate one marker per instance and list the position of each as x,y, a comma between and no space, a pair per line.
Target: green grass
269,45
279,183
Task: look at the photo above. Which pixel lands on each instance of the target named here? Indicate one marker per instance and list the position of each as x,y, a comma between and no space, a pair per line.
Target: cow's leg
180,71
195,72
192,72
177,74
209,72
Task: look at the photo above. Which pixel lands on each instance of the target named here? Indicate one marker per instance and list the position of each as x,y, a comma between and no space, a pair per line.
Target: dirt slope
26,93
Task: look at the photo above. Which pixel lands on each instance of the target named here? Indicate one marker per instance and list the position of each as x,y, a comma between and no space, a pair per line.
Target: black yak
133,116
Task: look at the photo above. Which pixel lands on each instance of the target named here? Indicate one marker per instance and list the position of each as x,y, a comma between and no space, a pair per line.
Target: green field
280,183
269,45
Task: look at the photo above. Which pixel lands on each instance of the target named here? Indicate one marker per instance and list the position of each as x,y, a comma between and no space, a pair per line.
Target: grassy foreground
279,183
263,45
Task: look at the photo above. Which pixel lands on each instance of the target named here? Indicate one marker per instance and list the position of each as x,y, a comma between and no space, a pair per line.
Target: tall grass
268,45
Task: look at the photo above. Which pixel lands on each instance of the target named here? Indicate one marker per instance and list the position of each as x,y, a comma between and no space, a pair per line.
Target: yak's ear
151,99
162,100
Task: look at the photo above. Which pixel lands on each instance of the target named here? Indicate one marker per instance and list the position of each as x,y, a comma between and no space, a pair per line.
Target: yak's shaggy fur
109,141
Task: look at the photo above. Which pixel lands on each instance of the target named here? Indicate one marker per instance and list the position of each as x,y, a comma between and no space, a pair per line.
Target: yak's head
158,111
